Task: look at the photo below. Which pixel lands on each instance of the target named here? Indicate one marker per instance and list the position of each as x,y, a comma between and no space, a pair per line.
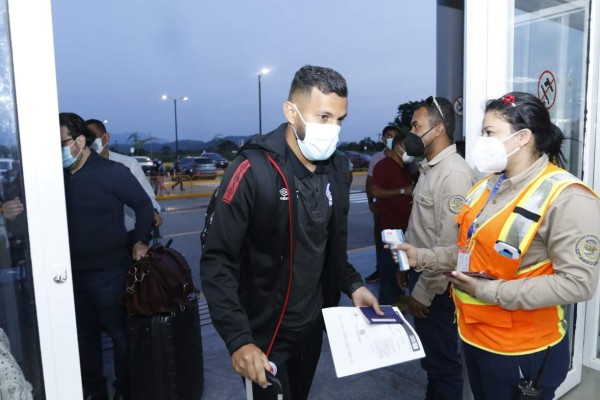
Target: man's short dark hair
399,139
325,79
98,124
76,127
390,128
443,115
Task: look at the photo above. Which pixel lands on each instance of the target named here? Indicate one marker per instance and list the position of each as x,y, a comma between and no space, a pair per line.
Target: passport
390,315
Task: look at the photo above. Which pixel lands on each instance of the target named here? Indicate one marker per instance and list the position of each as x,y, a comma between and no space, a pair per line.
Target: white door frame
37,111
485,71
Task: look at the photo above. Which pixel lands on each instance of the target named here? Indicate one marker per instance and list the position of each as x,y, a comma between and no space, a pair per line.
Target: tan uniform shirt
437,198
569,235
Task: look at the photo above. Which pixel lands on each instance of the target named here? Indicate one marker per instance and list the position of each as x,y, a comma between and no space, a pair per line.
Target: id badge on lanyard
462,263
464,255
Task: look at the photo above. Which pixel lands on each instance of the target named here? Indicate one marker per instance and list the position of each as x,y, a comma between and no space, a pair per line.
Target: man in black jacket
274,245
96,191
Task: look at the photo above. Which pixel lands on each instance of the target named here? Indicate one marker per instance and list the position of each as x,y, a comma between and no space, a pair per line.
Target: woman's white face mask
489,153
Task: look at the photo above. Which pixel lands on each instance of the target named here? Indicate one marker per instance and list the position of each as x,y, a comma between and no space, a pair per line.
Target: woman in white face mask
529,242
499,147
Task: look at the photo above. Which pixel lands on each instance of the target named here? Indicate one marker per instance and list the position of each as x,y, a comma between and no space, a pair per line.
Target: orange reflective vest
488,326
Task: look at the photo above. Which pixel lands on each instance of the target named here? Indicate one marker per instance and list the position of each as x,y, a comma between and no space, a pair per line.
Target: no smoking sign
458,106
547,89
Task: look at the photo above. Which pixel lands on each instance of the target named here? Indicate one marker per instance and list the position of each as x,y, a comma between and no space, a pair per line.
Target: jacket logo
328,194
455,203
283,194
588,250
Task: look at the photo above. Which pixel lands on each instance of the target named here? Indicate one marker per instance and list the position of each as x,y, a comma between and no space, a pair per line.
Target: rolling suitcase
165,355
272,379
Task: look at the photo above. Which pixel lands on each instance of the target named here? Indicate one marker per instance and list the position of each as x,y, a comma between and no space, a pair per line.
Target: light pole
185,98
264,71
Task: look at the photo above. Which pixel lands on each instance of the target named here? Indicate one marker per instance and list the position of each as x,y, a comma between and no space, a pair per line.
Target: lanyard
492,194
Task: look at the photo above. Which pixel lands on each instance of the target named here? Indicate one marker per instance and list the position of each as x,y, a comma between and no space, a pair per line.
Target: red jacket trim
235,181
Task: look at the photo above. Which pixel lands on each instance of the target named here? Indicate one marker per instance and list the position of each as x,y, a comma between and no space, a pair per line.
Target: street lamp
185,98
264,71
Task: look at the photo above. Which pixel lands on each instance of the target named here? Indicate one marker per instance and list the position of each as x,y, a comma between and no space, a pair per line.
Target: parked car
6,164
198,167
146,164
219,160
359,160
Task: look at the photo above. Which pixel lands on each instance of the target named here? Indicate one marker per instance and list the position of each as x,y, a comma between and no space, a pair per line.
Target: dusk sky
115,58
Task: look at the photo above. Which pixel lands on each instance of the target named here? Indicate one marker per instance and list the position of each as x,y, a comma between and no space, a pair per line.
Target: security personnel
437,198
532,228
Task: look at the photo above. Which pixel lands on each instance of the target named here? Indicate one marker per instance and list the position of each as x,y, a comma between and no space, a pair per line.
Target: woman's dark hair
525,111
325,79
76,126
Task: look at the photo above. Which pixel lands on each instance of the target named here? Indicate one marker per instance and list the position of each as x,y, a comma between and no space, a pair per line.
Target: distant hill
119,142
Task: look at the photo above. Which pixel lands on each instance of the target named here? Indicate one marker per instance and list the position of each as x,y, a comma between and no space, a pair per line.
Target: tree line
229,149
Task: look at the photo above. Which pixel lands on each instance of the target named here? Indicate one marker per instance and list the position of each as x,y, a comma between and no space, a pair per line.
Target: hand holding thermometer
394,237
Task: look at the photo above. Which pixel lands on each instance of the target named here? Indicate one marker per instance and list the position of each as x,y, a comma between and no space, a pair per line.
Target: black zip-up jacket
247,249
95,196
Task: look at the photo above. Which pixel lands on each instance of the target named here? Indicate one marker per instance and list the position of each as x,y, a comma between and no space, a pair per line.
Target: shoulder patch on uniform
455,203
588,249
235,181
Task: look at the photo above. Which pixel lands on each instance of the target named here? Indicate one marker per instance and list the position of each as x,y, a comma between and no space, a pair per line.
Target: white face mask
489,153
407,159
97,145
388,143
69,159
320,140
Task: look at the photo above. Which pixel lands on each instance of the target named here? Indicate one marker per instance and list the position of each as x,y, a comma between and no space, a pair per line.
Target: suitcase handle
272,379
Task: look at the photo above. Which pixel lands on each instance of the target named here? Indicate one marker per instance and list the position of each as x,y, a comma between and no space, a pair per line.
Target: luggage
165,355
160,282
272,379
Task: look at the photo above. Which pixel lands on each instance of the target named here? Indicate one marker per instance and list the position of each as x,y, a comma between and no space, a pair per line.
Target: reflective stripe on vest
523,223
476,191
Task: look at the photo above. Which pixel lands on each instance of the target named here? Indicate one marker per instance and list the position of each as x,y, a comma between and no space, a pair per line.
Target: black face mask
414,143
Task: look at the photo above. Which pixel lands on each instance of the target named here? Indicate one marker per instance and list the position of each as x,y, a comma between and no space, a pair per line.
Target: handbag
160,282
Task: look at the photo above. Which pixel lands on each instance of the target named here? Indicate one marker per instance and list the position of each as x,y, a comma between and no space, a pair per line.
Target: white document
357,346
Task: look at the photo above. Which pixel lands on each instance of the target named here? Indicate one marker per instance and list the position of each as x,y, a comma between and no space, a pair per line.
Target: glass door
549,59
38,342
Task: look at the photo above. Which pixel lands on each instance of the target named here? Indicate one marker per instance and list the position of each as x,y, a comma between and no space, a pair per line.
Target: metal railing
167,187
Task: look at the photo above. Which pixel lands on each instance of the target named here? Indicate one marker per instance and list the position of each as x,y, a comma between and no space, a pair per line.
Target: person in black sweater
96,189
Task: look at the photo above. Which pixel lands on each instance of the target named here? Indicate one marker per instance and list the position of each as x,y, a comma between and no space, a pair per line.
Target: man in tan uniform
437,198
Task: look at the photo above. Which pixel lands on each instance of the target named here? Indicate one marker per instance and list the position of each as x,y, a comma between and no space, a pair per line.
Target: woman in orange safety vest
529,239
